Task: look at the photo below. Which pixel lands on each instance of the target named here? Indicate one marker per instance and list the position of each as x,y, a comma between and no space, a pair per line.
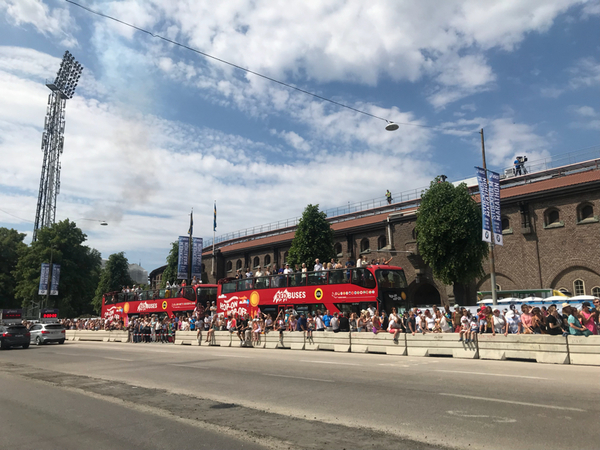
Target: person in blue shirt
327,319
192,323
517,165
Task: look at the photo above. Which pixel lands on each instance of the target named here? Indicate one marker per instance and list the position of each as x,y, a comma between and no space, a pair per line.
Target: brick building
550,226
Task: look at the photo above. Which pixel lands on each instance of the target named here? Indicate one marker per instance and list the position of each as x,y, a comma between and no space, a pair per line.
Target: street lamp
391,126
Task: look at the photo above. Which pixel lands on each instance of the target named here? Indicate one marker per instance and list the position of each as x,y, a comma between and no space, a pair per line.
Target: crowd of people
205,320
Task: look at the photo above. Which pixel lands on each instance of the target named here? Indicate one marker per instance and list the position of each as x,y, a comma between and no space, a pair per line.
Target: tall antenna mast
63,88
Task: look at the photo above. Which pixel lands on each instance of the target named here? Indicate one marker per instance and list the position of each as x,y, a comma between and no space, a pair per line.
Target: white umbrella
510,300
582,298
532,299
556,298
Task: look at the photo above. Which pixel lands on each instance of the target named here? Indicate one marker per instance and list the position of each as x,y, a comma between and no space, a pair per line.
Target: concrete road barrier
584,350
118,336
88,335
221,339
536,347
382,342
186,338
327,340
440,344
70,335
293,340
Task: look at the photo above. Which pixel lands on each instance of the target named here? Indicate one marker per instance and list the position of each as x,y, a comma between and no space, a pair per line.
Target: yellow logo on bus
164,305
126,308
318,293
254,299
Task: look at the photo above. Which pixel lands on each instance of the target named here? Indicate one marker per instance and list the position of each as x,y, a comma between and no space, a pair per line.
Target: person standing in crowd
554,322
335,323
344,323
499,323
318,266
588,318
327,319
538,324
526,320
575,327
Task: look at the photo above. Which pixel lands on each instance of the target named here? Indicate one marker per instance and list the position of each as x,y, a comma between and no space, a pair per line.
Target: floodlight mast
62,89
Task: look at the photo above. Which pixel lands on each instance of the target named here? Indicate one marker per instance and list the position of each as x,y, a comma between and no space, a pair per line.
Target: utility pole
490,244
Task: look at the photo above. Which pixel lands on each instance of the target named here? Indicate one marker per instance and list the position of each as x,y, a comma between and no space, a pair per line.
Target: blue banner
182,262
197,258
55,279
495,207
486,233
44,274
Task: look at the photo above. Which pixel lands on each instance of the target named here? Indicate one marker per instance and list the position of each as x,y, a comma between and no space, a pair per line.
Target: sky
155,129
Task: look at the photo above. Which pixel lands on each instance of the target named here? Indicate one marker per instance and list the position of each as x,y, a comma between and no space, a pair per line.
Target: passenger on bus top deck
318,265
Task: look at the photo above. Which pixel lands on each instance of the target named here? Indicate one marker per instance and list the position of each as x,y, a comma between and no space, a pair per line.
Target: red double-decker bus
121,305
339,290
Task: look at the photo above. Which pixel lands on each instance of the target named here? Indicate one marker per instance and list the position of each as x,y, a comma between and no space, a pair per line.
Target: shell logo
254,299
126,308
318,293
164,305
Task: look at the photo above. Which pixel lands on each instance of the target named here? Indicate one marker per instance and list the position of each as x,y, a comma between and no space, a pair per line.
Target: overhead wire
236,66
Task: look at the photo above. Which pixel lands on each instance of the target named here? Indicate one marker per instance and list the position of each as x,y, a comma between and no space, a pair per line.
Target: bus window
297,279
244,284
394,279
309,308
230,287
316,278
187,292
261,283
206,295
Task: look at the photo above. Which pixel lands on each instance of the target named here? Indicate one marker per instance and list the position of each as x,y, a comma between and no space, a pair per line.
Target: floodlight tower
63,88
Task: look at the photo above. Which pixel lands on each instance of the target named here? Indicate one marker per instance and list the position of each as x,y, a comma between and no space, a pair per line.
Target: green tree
114,276
449,234
313,239
79,269
11,246
170,273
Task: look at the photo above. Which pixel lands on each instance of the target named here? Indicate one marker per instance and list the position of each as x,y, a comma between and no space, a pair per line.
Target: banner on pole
197,258
183,262
486,232
44,274
55,279
494,184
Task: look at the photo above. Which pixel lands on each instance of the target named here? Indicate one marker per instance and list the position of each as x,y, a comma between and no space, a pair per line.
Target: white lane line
298,378
116,359
499,400
492,374
230,356
188,366
330,362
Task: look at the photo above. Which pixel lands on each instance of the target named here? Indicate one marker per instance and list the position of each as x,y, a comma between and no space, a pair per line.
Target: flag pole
214,235
491,244
191,232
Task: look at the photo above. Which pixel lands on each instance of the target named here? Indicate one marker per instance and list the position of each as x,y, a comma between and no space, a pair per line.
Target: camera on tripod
522,159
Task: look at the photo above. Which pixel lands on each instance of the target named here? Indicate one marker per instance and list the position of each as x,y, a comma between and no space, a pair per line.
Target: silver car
42,333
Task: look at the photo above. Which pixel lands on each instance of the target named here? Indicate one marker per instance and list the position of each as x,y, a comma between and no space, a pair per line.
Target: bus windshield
390,279
206,295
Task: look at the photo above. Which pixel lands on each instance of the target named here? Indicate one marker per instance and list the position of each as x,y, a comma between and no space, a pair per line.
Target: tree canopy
449,233
114,276
79,272
11,246
313,239
170,273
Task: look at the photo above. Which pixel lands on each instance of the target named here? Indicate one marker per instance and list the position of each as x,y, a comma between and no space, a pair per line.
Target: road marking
492,374
330,362
395,365
231,356
298,378
499,400
116,359
188,365
496,419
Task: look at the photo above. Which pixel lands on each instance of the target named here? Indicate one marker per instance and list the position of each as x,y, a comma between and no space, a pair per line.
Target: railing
349,211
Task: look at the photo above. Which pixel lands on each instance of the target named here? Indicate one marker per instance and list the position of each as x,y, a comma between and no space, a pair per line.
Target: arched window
578,287
337,249
505,224
364,245
267,260
238,264
256,262
585,212
498,287
229,266
552,217
596,291
381,242
564,290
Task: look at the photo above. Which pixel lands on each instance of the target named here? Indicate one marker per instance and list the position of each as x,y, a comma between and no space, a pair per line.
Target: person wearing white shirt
318,266
287,270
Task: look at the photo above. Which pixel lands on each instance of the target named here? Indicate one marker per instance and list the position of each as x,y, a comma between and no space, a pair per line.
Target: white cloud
586,73
506,139
56,22
587,118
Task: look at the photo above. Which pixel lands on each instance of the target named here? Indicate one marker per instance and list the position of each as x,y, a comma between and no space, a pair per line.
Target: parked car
43,333
14,336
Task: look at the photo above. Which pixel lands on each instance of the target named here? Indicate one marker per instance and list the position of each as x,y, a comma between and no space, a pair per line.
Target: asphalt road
300,399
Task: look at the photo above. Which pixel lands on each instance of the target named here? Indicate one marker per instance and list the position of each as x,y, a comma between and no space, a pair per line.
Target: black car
14,336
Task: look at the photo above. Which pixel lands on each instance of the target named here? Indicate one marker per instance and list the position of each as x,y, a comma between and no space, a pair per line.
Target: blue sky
155,130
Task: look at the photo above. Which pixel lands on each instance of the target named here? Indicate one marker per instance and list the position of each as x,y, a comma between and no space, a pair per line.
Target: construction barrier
535,347
584,350
440,344
327,340
186,338
382,342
